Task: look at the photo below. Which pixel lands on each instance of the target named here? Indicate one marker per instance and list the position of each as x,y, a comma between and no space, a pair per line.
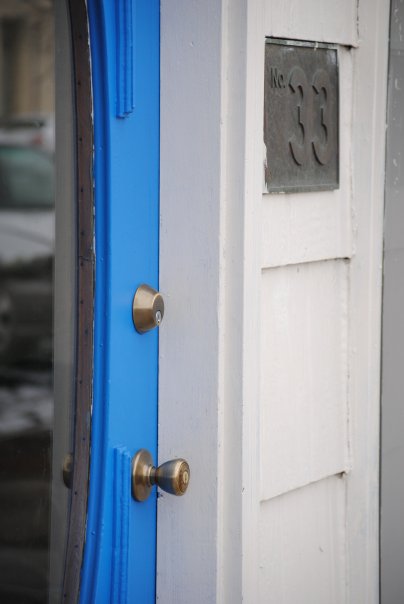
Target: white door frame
212,65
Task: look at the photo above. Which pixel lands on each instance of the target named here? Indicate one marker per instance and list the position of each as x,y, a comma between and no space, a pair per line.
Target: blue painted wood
126,168
122,502
124,57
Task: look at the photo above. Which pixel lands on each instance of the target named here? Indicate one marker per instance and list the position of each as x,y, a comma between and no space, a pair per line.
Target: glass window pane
37,296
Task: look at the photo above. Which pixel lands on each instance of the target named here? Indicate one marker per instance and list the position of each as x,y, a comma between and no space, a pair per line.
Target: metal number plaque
301,116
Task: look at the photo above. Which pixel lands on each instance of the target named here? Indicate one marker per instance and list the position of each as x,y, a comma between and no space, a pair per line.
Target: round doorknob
147,308
172,476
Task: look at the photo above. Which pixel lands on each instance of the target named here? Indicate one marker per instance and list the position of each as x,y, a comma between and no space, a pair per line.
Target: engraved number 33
305,140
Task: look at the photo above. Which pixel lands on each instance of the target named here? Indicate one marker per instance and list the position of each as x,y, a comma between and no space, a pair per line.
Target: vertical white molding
368,165
212,61
190,264
254,85
229,551
239,322
243,44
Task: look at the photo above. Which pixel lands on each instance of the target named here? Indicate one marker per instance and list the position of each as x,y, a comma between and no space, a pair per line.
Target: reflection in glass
26,178
27,237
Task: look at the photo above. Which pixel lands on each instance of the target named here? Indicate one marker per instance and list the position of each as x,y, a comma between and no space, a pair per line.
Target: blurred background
27,142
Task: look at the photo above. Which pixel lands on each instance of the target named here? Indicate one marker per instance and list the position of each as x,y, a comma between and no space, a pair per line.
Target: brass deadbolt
172,476
147,308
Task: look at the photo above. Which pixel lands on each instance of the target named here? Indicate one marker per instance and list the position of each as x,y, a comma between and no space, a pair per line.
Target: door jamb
85,259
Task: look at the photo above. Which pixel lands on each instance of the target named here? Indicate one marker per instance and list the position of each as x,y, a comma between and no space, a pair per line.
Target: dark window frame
85,266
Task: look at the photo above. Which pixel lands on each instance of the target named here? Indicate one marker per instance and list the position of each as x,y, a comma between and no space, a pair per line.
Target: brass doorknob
172,476
147,308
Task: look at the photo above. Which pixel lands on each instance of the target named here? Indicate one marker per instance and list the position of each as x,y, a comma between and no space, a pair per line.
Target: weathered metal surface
301,116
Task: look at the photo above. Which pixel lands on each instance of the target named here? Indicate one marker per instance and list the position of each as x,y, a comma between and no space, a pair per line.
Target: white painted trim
190,264
229,549
212,65
368,166
334,22
254,84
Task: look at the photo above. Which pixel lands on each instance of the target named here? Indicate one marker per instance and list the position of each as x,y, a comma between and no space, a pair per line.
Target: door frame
120,549
83,141
211,198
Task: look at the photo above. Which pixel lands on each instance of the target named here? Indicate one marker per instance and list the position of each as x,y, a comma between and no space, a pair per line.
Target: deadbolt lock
172,476
147,308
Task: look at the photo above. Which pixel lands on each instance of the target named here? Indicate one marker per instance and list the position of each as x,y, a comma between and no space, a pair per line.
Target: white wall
190,283
269,365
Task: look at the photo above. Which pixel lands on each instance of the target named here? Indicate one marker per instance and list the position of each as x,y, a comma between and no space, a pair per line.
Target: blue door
119,554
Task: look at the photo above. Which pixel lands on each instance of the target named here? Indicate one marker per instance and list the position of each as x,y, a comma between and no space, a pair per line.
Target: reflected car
30,130
26,253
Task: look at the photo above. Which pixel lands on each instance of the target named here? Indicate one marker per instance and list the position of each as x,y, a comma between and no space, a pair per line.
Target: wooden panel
368,161
302,546
189,279
304,375
318,21
303,227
